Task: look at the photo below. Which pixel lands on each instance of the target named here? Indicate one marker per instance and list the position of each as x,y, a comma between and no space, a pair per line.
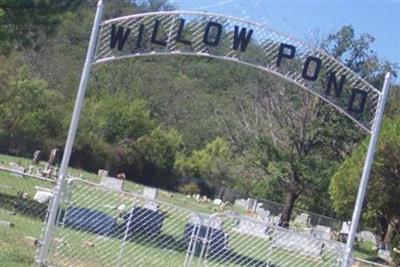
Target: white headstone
275,220
217,201
196,196
150,193
306,245
264,214
151,206
321,231
250,226
241,203
303,219
52,156
111,183
42,197
102,173
345,227
251,204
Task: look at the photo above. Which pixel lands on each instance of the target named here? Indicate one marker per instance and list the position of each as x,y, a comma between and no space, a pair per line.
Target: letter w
241,39
118,36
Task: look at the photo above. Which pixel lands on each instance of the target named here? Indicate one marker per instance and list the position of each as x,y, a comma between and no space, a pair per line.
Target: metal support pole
55,203
366,170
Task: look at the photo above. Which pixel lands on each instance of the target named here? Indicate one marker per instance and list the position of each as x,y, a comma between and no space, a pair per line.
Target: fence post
366,170
58,190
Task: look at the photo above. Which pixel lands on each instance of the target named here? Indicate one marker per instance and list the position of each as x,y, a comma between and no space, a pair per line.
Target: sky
311,20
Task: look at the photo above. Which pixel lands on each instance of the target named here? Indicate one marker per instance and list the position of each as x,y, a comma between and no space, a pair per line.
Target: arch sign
236,40
241,41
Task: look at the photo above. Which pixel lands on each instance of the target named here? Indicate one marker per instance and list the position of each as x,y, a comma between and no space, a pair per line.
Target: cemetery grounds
79,248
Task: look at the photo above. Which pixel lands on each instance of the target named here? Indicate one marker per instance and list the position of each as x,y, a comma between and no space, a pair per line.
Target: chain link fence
314,219
99,226
23,193
24,198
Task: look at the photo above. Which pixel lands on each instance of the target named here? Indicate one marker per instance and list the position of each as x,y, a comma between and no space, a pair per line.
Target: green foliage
29,111
160,147
24,23
212,162
356,53
189,189
384,187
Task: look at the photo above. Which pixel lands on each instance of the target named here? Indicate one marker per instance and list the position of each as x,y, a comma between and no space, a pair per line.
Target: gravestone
102,173
303,219
345,227
152,206
43,197
16,168
217,201
251,226
46,171
6,224
111,183
323,232
367,236
213,222
275,219
35,157
384,254
150,193
30,169
52,157
241,203
251,204
304,244
263,214
121,176
196,197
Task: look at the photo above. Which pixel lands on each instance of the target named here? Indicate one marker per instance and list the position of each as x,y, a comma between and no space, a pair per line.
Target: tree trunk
391,231
293,190
381,229
291,197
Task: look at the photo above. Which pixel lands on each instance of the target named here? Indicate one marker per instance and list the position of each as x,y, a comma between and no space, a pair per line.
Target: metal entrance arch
241,41
237,40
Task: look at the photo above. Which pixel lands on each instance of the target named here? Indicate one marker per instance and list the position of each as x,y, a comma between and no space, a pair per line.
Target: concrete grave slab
111,183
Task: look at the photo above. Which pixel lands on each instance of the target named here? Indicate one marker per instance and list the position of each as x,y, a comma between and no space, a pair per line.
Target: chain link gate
99,226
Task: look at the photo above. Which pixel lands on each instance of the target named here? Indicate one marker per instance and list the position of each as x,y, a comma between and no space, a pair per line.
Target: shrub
189,188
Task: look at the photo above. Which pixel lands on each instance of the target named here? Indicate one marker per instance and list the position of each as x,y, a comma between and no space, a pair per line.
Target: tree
212,163
293,140
31,117
23,23
150,158
383,196
356,53
295,137
106,122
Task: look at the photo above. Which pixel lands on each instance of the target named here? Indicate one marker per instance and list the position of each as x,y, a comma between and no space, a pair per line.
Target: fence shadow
24,206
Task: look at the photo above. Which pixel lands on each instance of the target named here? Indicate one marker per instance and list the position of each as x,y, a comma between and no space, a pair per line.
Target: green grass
15,250
365,250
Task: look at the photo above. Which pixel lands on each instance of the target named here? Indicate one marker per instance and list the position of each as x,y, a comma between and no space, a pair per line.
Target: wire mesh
248,242
102,227
23,193
99,226
159,34
24,196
